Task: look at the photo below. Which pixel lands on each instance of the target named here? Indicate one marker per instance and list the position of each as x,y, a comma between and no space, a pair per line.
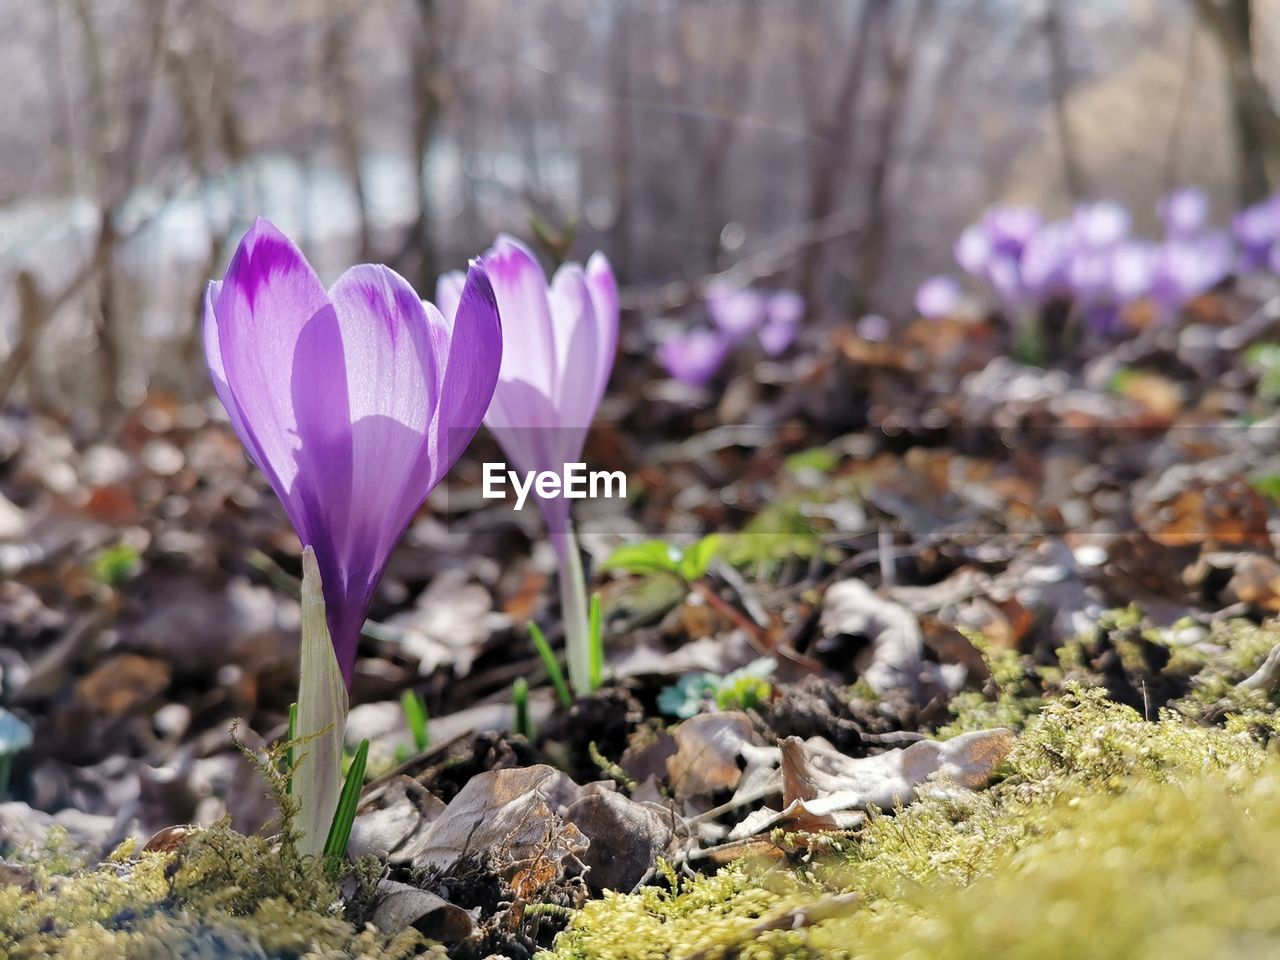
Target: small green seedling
520,697
595,654
15,736
415,714
1264,358
658,556
815,460
596,633
114,565
747,688
551,663
335,844
288,753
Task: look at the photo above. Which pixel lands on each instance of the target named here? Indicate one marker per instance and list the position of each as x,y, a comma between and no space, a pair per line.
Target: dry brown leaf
706,758
627,838
822,789
122,683
851,608
399,905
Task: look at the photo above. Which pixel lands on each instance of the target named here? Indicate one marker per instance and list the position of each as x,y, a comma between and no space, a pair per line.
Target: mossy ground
1108,835
224,895
219,895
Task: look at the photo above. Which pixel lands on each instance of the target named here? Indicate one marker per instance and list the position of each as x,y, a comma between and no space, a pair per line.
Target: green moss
1010,697
221,894
1236,648
1108,836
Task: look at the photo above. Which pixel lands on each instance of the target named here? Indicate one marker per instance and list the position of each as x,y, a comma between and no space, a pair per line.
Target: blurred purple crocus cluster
1091,259
694,356
1257,232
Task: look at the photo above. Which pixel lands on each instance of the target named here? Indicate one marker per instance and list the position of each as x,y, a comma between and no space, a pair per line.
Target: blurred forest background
835,146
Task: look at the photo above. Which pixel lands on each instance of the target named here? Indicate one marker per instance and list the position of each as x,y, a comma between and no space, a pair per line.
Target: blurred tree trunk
830,126
336,65
117,163
620,142
714,154
1257,124
33,317
899,65
1059,85
418,258
201,79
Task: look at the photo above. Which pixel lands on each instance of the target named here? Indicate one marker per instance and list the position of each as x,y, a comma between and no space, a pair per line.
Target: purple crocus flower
1010,227
1256,230
560,342
1134,265
1046,260
737,311
991,248
782,322
694,357
1099,225
354,402
1184,212
973,250
938,297
1190,267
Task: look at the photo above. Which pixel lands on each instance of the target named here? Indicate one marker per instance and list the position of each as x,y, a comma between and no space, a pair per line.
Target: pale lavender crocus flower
1134,265
1185,212
694,357
559,342
782,322
1256,230
938,297
1046,260
736,311
354,402
1100,224
1190,267
992,248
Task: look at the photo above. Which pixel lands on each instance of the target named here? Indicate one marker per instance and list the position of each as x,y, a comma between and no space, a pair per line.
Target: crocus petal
937,297
604,298
776,335
470,341
694,357
213,357
577,350
449,289
786,307
736,311
393,390
1046,258
1010,228
1133,270
520,288
1184,212
973,250
1101,224
271,313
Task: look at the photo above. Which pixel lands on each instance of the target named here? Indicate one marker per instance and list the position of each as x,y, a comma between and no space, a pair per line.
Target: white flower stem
573,607
322,718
